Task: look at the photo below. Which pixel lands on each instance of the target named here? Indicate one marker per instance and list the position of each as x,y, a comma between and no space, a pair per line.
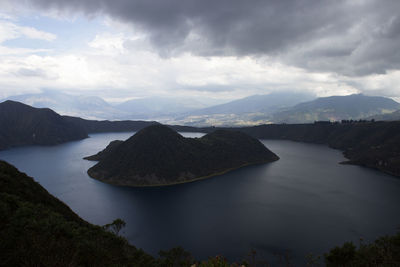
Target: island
157,155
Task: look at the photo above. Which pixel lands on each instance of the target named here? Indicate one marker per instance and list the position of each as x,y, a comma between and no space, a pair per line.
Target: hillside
21,125
393,116
89,107
36,229
370,144
157,155
95,126
336,108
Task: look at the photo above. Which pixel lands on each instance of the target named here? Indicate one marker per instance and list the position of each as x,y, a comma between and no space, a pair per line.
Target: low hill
95,126
21,124
336,108
393,116
157,155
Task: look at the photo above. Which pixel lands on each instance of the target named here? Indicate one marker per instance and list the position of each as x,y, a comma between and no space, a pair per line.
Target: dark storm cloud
354,37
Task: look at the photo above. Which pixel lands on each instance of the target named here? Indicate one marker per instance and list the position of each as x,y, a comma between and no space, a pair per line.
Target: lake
305,202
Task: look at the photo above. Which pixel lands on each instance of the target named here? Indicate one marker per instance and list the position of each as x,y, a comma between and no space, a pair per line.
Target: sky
220,49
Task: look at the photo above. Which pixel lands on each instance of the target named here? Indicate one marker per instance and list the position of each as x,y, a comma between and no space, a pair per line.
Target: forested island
158,155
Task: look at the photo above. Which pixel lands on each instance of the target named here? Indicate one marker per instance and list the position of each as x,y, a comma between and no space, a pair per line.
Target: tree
116,226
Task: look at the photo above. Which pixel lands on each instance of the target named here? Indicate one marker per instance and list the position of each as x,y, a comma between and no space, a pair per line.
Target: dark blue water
305,202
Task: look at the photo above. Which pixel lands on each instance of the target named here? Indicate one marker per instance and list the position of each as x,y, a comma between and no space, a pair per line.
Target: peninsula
158,155
23,125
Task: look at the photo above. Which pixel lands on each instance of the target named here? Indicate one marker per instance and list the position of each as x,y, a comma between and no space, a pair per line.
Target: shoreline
186,181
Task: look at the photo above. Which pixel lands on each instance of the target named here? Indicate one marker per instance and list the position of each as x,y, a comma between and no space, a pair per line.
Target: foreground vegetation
36,229
385,251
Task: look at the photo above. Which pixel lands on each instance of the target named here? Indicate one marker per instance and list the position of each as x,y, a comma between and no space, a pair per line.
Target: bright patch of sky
116,59
59,34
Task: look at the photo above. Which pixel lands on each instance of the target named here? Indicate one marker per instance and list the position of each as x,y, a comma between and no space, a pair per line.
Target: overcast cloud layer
235,47
354,37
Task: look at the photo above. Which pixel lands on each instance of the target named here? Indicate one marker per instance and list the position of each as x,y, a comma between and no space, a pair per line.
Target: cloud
223,49
9,31
33,33
29,72
110,67
350,37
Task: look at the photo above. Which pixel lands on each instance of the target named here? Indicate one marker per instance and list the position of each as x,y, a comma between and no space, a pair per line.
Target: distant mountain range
90,107
278,107
93,107
289,108
336,108
251,110
266,104
155,107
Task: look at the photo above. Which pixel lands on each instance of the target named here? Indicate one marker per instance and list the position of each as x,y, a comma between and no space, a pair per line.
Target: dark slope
108,150
94,126
371,144
21,124
336,108
36,229
157,155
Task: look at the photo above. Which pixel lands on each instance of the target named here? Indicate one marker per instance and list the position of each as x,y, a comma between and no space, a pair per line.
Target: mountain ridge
90,107
336,108
24,125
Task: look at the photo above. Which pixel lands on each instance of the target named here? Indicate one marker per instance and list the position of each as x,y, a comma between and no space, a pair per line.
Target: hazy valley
249,111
